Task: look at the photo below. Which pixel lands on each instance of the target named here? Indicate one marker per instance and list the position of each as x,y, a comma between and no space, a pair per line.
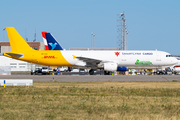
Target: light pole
91,40
93,35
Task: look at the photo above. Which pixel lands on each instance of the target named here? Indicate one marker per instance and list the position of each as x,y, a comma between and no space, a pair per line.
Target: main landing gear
91,72
106,73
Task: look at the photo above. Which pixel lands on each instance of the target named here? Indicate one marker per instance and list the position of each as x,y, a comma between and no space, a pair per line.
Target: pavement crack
111,79
165,78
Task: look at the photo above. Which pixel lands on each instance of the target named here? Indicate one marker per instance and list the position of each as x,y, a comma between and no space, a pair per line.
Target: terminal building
5,46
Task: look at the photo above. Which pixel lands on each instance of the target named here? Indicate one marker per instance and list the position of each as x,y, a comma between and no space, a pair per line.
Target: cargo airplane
107,60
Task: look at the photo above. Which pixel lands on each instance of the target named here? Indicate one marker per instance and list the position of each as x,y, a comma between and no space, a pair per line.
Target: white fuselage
123,58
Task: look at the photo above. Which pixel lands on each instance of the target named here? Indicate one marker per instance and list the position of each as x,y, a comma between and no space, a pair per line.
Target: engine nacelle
113,67
122,68
110,66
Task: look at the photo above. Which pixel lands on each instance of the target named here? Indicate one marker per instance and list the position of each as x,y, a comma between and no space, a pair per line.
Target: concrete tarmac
95,78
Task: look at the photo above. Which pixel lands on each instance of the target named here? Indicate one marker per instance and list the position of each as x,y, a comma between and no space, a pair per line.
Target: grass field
94,100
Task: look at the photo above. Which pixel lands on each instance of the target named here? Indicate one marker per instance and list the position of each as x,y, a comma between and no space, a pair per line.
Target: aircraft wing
89,61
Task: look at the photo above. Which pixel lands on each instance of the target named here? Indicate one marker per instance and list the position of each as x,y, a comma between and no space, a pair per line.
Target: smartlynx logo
117,53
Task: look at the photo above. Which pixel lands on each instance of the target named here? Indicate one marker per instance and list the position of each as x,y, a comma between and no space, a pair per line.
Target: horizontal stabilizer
14,55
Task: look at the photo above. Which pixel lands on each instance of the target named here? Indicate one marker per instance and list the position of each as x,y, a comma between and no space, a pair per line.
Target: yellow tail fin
16,41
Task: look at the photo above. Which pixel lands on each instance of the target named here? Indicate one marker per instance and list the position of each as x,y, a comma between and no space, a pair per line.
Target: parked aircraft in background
107,60
45,41
50,42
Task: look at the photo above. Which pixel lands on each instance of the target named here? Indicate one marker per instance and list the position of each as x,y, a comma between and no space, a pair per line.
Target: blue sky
152,24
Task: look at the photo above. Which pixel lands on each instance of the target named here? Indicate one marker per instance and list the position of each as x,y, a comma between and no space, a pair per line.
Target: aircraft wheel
91,72
106,73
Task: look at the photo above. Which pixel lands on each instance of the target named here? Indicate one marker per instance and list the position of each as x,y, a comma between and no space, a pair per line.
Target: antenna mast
34,36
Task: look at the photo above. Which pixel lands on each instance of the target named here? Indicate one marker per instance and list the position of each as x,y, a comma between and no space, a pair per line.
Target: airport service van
176,69
46,70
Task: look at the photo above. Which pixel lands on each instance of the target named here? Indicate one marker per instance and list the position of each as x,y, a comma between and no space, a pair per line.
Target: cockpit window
178,58
168,55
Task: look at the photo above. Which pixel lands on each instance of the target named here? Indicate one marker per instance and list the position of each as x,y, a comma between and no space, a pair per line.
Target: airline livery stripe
46,46
45,41
43,34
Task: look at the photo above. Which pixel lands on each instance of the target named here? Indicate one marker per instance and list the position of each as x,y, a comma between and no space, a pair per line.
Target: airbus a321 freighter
107,60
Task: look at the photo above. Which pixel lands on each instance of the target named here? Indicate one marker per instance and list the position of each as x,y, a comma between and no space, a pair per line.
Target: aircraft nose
174,61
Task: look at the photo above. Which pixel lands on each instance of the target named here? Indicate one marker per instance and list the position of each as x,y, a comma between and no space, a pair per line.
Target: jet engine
113,67
110,66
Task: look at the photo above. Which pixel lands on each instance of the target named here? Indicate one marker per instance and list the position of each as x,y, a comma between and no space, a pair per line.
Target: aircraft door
158,56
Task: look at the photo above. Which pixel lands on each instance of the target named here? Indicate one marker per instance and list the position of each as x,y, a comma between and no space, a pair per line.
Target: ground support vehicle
50,71
160,72
176,70
168,71
45,71
63,69
36,71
